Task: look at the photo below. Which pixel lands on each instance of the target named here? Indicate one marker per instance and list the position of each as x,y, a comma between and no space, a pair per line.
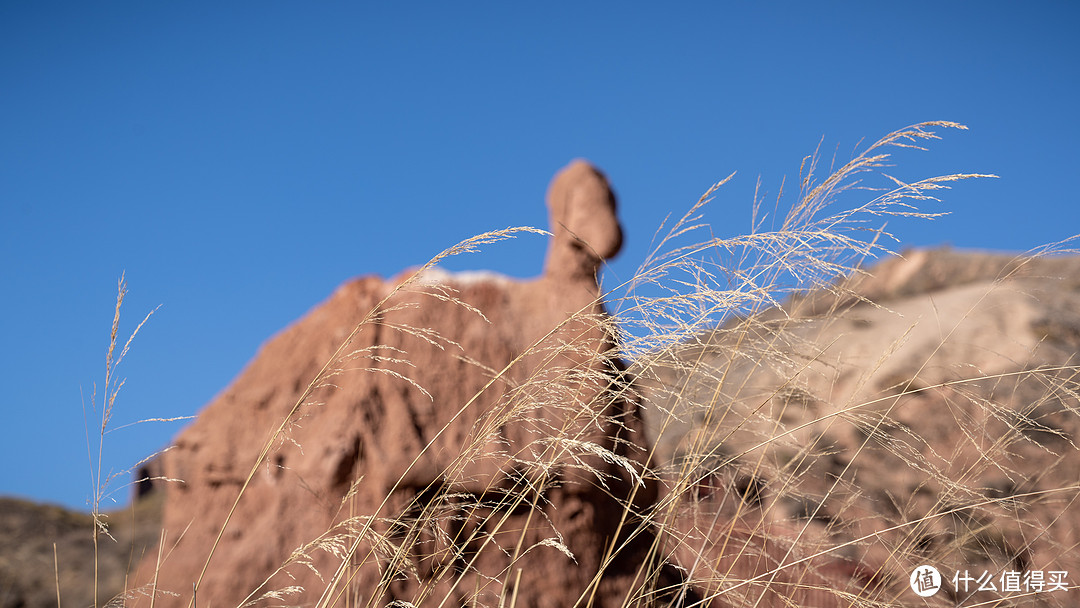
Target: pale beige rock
879,435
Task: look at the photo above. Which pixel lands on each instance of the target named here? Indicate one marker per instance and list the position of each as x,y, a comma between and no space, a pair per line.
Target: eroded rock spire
581,213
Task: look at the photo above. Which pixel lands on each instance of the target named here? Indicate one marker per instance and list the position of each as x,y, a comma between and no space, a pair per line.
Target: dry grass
760,457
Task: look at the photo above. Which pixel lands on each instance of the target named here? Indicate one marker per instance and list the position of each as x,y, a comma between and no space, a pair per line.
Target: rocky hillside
925,412
28,573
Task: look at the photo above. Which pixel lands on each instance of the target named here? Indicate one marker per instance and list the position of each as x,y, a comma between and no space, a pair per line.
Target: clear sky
239,162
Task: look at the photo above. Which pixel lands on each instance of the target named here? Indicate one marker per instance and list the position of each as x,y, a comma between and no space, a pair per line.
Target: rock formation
472,443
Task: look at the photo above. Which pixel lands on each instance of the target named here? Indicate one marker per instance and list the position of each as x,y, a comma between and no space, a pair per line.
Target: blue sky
239,162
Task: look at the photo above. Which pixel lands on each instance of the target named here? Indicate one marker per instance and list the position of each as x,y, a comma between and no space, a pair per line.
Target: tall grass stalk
100,480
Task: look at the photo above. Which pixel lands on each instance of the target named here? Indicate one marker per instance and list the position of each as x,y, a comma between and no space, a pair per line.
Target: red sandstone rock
480,407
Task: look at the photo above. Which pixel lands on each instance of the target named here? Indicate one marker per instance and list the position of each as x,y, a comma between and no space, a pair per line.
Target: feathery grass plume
100,480
765,428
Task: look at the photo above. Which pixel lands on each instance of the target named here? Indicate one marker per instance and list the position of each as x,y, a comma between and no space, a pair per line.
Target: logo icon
925,580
